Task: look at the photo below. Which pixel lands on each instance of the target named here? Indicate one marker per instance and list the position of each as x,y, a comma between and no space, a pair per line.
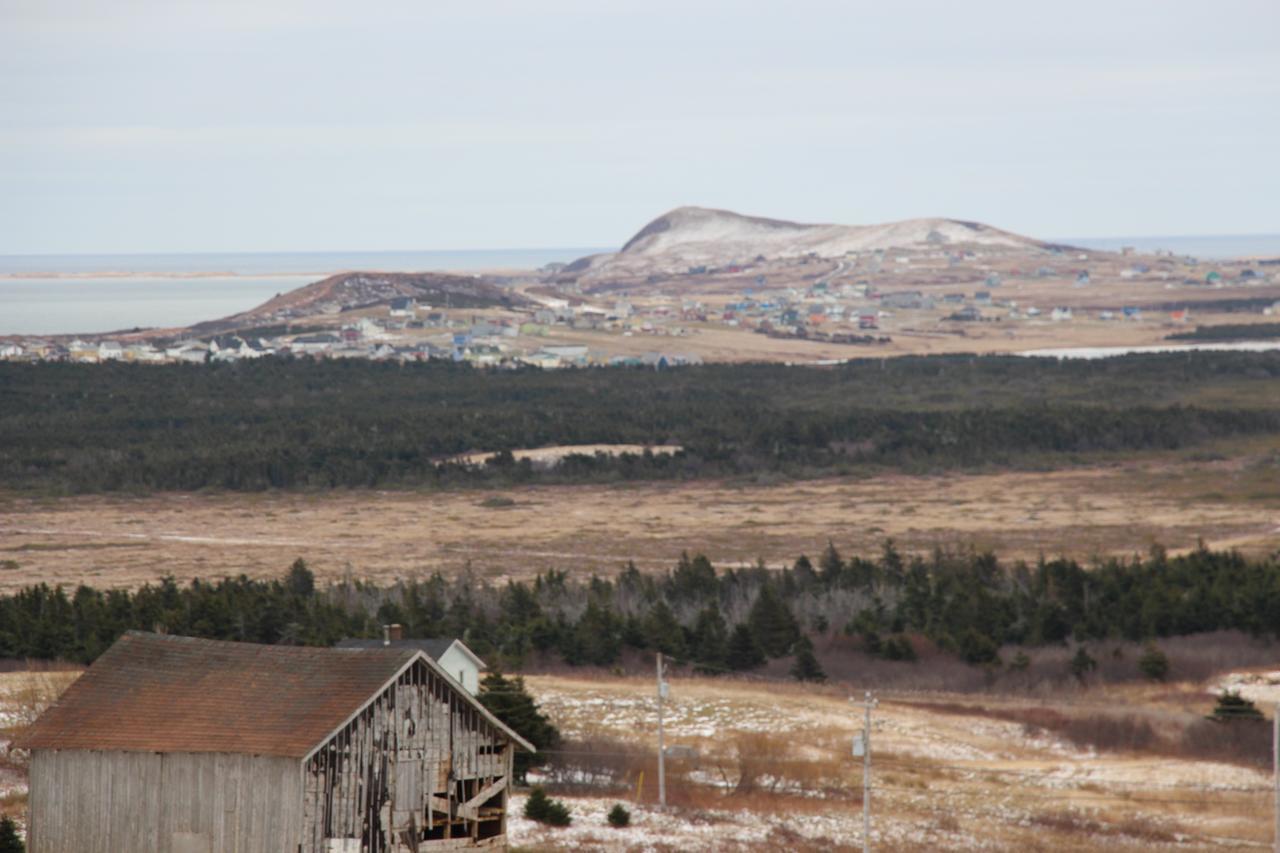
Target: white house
403,306
452,655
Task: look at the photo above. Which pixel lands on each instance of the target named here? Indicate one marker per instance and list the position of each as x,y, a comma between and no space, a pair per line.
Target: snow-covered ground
652,829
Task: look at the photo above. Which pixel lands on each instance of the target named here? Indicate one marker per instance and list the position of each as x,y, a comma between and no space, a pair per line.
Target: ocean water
85,294
274,263
89,304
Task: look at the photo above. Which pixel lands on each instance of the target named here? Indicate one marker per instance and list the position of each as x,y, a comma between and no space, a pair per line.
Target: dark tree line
283,423
967,603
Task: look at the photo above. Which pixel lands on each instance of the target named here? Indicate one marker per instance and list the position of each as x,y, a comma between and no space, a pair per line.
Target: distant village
862,299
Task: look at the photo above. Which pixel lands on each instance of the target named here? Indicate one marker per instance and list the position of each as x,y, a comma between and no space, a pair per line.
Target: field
948,772
115,541
773,768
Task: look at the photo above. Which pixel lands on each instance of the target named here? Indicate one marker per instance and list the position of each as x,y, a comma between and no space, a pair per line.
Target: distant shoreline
264,264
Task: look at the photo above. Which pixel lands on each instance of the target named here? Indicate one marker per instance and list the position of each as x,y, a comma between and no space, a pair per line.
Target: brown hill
354,290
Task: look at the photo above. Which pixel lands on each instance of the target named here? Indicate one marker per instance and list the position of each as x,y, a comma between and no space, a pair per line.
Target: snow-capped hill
705,225
696,236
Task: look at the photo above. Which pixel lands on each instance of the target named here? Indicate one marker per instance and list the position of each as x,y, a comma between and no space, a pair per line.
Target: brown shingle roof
154,693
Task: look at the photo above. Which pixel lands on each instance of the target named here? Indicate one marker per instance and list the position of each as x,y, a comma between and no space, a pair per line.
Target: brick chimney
393,633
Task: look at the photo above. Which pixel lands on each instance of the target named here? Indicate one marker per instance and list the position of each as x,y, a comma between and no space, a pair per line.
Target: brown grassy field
948,772
772,767
1118,509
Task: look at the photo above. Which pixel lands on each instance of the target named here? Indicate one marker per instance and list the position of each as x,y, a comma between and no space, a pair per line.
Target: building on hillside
462,664
967,314
181,745
906,299
403,306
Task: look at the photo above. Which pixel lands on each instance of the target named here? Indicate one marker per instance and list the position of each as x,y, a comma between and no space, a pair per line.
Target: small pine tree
1082,664
806,666
744,651
541,808
898,647
9,840
300,580
772,622
1232,706
1154,664
619,817
1020,662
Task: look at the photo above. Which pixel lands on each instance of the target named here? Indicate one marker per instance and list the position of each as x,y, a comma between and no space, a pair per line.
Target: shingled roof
156,693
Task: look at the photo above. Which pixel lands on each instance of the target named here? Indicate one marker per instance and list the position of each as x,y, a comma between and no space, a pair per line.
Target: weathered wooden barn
181,745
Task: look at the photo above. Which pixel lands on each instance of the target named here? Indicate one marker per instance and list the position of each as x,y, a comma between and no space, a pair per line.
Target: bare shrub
595,762
1112,732
1246,742
759,755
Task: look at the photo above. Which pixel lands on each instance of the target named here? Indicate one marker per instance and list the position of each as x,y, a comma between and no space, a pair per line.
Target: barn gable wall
105,802
418,767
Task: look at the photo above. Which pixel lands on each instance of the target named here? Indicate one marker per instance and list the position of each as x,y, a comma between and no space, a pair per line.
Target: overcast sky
139,126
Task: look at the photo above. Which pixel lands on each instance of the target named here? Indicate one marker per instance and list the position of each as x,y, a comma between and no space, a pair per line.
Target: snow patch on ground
723,829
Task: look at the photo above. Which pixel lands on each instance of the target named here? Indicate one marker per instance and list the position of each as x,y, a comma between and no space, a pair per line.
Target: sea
87,294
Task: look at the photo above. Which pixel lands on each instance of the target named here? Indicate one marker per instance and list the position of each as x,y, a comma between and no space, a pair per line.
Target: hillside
353,290
695,236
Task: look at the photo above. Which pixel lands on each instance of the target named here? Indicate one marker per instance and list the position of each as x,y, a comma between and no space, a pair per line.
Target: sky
144,126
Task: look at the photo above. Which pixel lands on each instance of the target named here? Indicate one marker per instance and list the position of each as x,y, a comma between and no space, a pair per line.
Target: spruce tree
1154,664
662,632
744,651
1082,664
806,666
9,840
710,639
1232,706
831,564
772,623
508,700
541,808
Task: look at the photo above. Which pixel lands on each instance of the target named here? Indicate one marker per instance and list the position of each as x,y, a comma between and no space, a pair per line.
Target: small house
182,745
403,306
967,314
462,664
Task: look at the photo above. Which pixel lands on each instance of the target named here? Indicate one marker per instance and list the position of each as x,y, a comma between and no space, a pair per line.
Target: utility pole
863,747
662,750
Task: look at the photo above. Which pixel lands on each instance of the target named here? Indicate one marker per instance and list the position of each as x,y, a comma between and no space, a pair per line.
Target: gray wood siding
414,762
107,802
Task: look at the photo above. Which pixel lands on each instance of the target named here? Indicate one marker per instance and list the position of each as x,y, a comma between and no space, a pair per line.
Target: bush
9,840
541,808
1082,664
1154,664
1240,742
619,816
1232,706
806,666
